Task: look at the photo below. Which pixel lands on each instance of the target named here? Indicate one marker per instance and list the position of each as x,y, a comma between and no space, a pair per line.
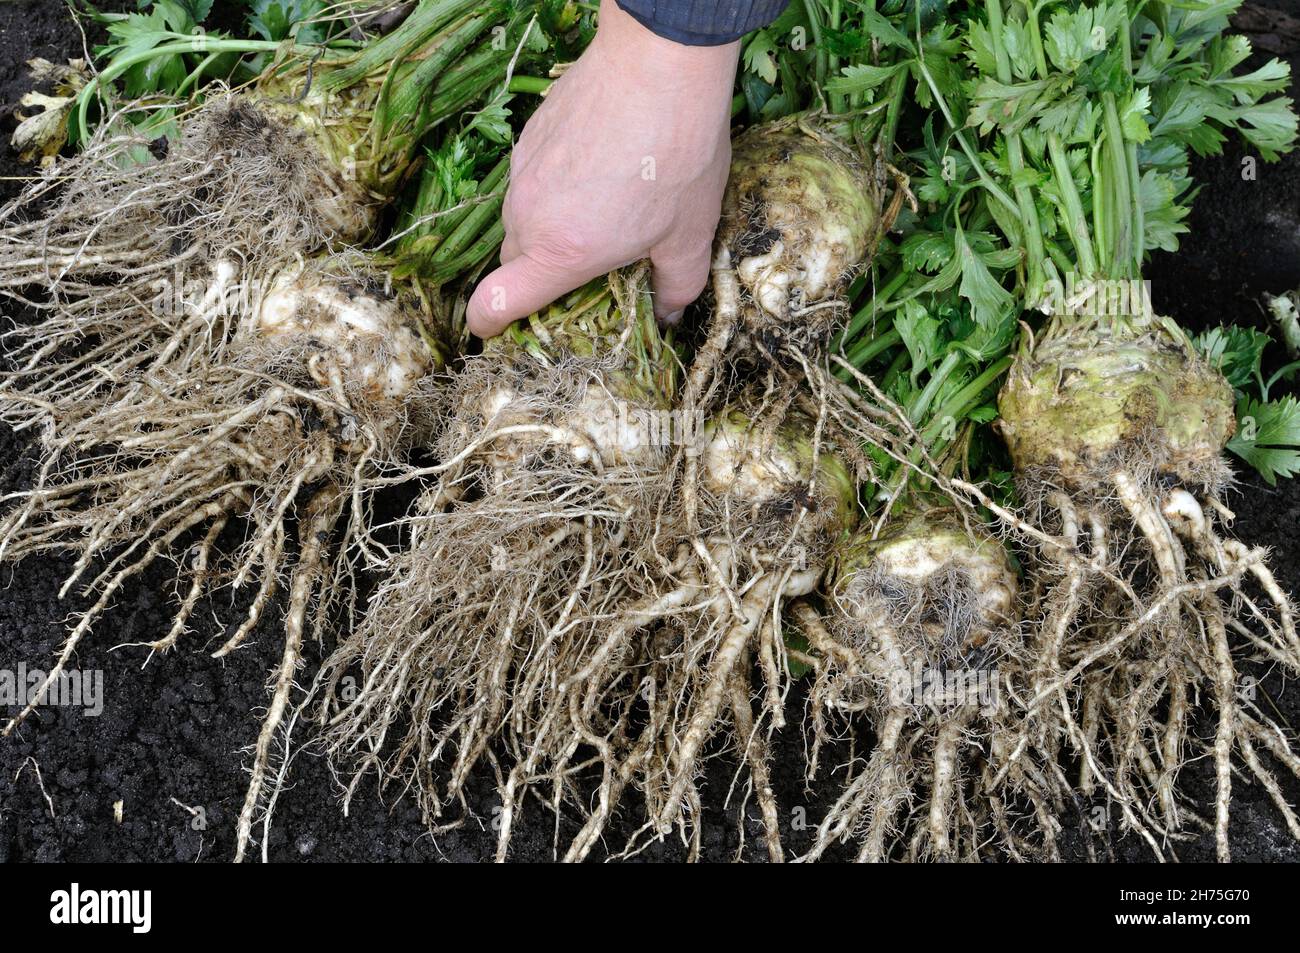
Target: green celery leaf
275,19
1132,118
760,56
881,29
920,334
863,78
1010,106
1268,436
1273,77
1269,126
927,251
1071,37
980,49
991,304
492,122
1235,351
1209,15
1164,218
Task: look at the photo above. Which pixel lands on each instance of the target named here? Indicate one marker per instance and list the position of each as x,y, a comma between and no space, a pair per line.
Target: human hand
625,159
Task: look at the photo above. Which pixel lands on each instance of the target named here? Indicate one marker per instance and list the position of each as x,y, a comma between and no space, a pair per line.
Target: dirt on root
168,741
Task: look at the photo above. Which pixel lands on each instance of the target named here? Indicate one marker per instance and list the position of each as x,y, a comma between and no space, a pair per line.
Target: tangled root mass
1141,607
495,636
262,410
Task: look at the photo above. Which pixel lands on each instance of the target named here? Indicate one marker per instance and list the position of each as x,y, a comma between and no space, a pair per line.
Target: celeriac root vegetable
258,416
1115,426
489,638
921,635
305,156
800,214
775,494
1138,611
777,491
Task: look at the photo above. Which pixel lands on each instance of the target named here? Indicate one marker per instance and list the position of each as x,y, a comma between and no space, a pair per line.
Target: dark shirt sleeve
703,22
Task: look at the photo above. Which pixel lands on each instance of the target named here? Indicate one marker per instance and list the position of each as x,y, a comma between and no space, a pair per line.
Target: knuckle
687,267
696,282
562,249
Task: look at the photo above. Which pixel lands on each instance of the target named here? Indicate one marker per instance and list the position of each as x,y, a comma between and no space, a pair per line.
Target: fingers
524,284
681,270
516,289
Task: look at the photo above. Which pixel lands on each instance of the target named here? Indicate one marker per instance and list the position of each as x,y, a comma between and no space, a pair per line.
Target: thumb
680,273
516,289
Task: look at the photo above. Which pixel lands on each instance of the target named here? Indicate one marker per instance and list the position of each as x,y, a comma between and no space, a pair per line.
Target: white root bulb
370,336
590,374
1184,514
746,460
818,271
917,560
735,464
798,215
597,425
945,592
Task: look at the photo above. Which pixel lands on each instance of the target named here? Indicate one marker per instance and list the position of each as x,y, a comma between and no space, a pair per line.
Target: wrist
665,63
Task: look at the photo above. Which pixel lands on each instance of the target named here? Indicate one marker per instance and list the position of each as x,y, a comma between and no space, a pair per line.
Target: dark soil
172,730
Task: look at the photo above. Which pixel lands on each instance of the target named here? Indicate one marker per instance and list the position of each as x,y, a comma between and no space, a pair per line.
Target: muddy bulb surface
1075,409
798,214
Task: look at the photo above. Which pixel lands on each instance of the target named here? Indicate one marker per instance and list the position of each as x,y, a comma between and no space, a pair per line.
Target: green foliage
1268,431
492,120
277,19
452,166
760,56
991,304
1236,351
164,22
1268,436
863,77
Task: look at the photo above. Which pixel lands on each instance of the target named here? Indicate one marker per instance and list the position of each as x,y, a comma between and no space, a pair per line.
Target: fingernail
672,319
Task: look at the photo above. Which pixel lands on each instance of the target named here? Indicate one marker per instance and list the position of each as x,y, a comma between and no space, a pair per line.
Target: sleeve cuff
702,23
